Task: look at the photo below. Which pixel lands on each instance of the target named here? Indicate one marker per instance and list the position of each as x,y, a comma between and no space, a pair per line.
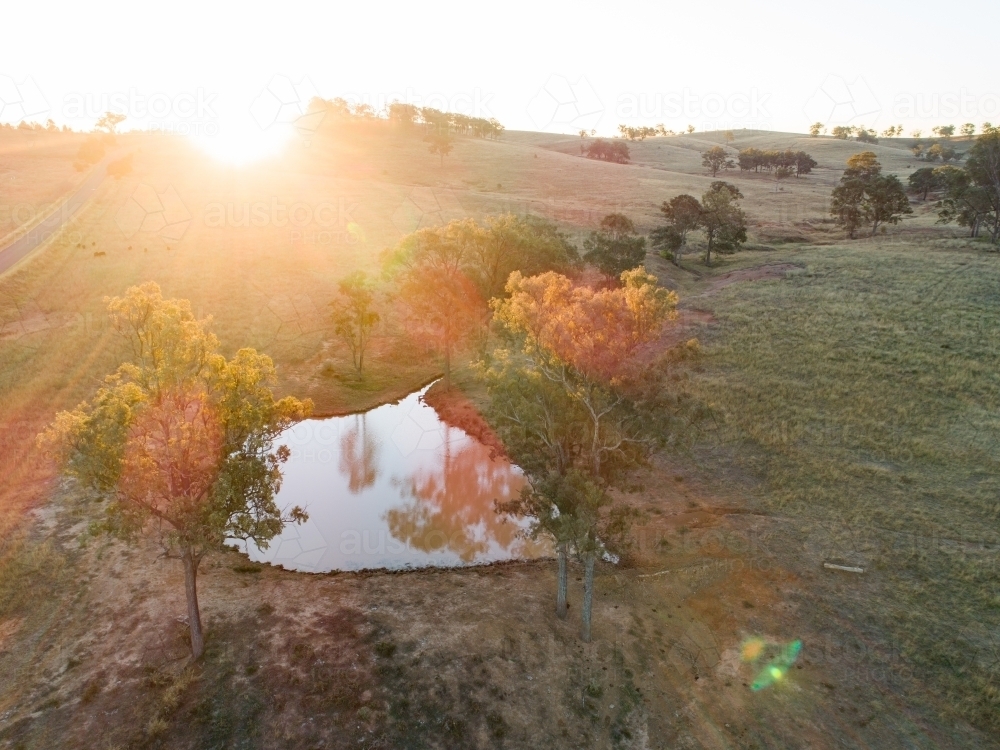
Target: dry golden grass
36,171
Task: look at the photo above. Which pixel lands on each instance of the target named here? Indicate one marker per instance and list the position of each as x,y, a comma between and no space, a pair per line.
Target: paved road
52,223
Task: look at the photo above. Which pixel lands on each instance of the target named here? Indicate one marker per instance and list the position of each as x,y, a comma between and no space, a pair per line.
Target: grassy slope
846,424
36,170
863,390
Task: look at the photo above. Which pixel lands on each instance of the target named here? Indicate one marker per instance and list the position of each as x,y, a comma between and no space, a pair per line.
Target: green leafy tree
944,131
354,316
847,204
178,442
969,129
615,247
722,219
963,202
506,243
866,135
924,180
816,128
983,166
716,159
804,163
683,215
866,195
885,201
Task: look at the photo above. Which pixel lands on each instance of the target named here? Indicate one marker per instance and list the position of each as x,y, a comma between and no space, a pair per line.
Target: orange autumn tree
563,394
433,269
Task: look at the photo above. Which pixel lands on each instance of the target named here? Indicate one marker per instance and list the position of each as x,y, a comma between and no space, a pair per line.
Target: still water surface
394,488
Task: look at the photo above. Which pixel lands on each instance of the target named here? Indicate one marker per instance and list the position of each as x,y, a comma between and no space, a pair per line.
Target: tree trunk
194,614
447,367
561,585
588,594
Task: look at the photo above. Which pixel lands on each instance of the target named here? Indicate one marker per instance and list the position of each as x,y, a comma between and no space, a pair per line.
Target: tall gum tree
178,442
559,397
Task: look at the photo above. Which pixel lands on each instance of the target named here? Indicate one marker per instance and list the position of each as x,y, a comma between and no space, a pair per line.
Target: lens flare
239,143
778,667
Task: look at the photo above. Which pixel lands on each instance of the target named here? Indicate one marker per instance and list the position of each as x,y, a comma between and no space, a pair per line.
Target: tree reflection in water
452,504
394,488
359,455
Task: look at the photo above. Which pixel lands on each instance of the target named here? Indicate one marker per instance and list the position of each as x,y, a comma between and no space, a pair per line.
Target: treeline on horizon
410,116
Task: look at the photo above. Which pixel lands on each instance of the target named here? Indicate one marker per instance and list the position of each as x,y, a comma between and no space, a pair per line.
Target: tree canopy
722,219
613,151
445,275
354,316
683,215
559,395
756,159
865,195
615,247
179,441
716,159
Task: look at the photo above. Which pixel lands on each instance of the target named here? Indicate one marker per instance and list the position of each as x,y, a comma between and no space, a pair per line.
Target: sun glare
243,143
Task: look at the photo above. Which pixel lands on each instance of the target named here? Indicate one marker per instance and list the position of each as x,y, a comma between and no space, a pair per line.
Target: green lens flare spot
777,667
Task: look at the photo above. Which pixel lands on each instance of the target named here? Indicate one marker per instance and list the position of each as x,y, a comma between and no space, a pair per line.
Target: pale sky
533,65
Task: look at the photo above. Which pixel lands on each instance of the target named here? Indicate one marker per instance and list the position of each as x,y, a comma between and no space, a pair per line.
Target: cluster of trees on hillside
410,115
613,151
866,196
718,215
788,161
868,135
858,132
643,132
36,127
969,196
965,195
445,276
436,127
935,152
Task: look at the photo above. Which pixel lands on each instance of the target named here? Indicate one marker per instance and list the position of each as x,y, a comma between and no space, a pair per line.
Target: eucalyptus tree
179,442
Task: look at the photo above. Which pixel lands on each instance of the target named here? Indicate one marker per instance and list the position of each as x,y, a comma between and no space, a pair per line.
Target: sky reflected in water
394,488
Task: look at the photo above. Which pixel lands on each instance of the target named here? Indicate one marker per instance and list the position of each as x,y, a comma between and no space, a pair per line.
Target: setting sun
239,142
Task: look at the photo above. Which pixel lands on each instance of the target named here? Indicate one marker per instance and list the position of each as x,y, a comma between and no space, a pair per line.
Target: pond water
394,488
